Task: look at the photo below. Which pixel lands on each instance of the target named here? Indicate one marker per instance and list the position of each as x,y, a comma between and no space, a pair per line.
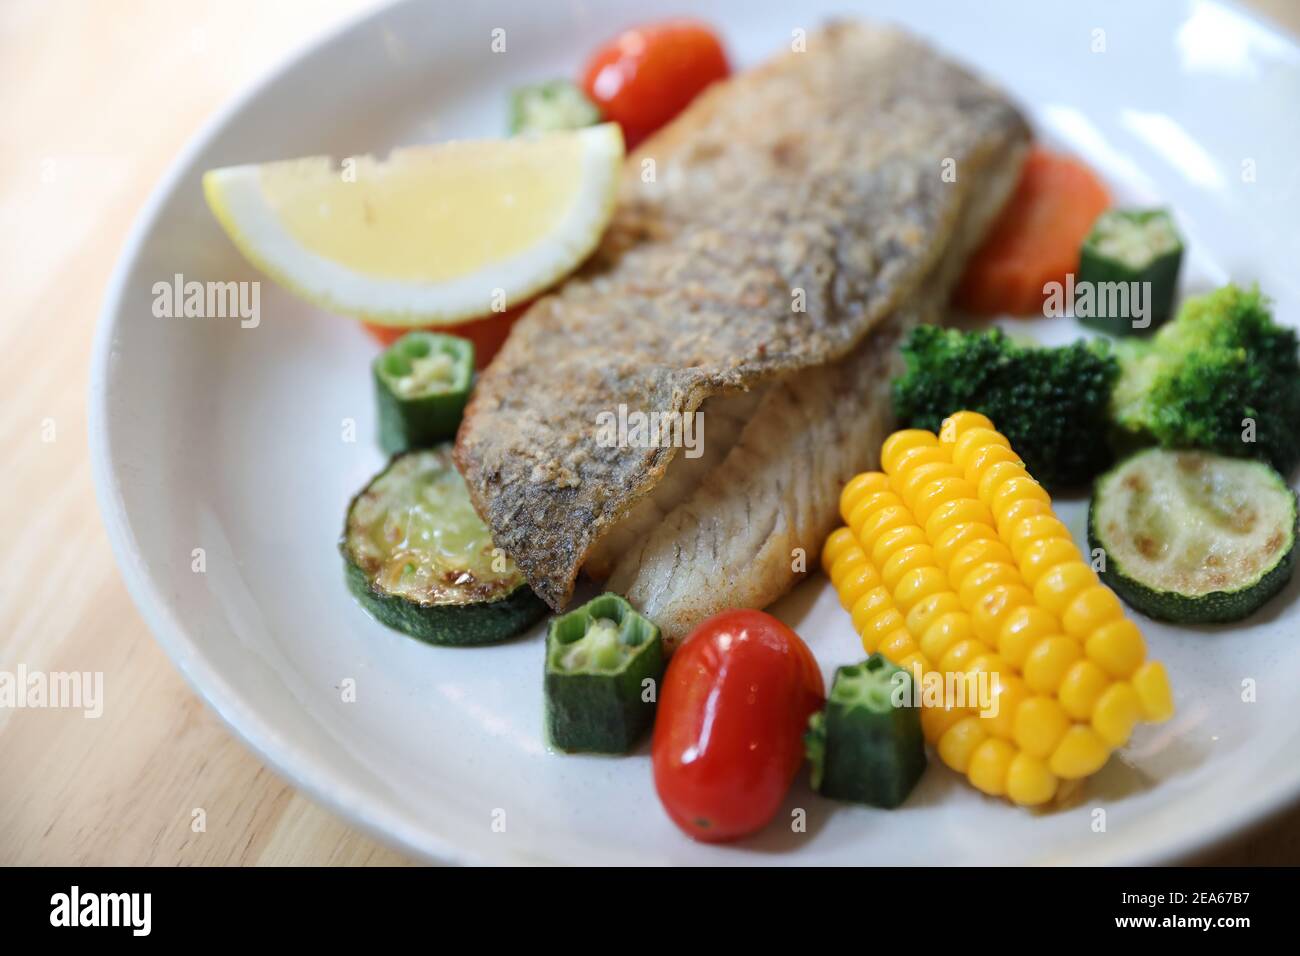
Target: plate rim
242,718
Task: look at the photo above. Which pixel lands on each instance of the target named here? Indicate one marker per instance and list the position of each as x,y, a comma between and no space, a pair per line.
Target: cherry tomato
644,77
488,334
728,737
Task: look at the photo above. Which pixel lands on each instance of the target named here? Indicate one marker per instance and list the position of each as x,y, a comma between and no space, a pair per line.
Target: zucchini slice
598,660
421,560
422,383
1194,538
862,747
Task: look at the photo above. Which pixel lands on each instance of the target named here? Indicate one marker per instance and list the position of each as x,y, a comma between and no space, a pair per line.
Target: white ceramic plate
208,435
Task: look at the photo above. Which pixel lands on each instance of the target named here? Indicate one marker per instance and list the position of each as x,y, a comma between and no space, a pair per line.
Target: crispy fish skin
816,176
735,541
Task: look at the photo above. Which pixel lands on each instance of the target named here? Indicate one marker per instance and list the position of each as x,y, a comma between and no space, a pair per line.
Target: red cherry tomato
644,77
488,334
728,737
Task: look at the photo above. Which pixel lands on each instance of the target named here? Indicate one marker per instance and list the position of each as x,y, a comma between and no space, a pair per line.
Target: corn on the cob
1064,583
952,561
978,747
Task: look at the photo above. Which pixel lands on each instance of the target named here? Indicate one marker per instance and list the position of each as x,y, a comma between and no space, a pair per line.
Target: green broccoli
1200,382
1195,384
1051,403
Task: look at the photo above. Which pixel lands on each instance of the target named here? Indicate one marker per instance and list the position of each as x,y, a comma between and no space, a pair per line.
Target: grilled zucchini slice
1192,537
419,558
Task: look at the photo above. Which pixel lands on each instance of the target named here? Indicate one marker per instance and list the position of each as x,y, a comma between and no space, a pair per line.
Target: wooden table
95,100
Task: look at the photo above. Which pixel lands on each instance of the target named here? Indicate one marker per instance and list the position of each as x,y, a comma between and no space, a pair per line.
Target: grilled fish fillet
759,240
746,529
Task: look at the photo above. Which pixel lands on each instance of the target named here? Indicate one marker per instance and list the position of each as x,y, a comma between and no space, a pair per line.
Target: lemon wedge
432,235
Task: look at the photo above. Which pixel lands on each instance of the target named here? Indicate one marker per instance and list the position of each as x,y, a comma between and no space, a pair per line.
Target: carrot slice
488,333
1037,238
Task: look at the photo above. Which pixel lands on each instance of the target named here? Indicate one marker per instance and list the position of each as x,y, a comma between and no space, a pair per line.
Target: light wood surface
96,98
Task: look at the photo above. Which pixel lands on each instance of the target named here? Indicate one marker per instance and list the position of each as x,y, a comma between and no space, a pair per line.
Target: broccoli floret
1051,403
1194,384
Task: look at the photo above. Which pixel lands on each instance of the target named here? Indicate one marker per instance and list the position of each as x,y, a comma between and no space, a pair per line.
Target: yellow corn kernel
979,581
980,552
846,564
867,605
914,662
965,447
1044,553
1029,781
958,743
869,505
996,475
938,492
1039,726
1022,629
838,542
886,519
943,633
894,540
1047,662
990,663
858,488
1025,531
994,607
989,765
979,462
1017,512
957,536
1007,693
1117,712
872,501
880,627
914,458
958,423
1152,686
898,645
903,560
1096,606
1060,585
909,458
929,609
961,654
1116,647
1081,687
955,512
1017,489
935,721
1080,753
857,580
920,476
901,441
917,584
